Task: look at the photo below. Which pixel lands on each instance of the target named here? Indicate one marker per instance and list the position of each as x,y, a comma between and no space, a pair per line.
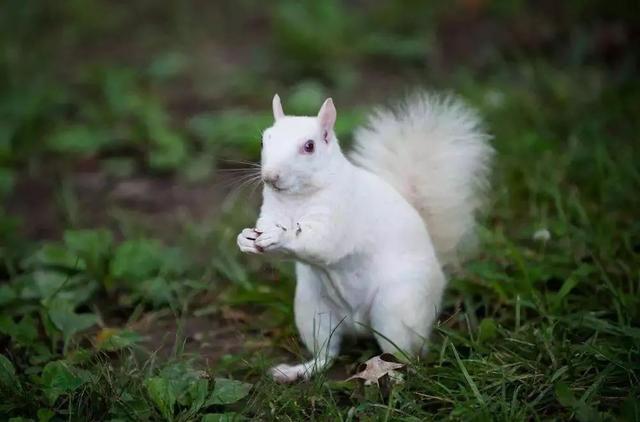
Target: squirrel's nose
270,177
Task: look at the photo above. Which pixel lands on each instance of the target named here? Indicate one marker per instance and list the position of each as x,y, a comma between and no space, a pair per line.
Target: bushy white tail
434,150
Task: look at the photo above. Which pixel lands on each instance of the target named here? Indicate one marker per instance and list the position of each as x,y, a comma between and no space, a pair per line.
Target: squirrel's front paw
247,241
271,239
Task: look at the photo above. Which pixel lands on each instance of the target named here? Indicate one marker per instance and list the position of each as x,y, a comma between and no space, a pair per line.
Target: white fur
434,151
366,264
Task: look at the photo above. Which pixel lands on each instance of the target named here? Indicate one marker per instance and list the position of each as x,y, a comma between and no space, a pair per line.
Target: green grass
123,295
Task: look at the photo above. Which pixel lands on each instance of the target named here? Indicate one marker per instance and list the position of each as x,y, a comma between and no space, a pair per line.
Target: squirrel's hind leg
320,325
402,316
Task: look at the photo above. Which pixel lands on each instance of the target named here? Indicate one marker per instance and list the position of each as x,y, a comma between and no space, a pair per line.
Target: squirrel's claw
271,239
247,241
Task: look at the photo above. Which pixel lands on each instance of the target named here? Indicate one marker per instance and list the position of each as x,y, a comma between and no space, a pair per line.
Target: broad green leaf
59,378
45,415
162,395
47,283
8,377
7,294
41,354
94,246
52,254
65,319
111,339
137,260
196,394
88,242
182,377
52,285
156,291
78,139
228,391
132,407
24,332
174,262
169,148
120,90
79,356
77,290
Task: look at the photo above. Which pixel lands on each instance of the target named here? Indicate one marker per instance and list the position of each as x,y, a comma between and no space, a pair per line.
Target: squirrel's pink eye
309,146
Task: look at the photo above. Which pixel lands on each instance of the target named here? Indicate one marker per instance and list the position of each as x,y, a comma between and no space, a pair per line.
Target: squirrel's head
297,151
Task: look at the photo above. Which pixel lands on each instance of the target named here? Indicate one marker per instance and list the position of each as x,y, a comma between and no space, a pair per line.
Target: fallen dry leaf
377,367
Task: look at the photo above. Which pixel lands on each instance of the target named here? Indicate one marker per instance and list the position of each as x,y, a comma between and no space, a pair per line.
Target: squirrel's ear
327,117
278,113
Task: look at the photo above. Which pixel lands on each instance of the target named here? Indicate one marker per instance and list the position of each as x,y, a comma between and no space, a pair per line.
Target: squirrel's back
434,151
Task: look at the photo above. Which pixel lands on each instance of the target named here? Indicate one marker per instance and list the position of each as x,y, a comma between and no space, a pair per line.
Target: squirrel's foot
285,374
247,241
271,239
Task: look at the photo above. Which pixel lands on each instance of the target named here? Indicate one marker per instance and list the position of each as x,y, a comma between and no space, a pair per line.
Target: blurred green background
123,126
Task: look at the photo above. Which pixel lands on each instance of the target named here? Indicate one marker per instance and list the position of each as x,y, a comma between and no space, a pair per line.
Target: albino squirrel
370,233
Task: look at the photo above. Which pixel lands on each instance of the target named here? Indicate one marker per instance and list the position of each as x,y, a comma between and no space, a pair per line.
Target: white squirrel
370,233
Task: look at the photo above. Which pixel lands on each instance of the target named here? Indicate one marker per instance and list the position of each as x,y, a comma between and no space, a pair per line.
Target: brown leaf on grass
378,367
